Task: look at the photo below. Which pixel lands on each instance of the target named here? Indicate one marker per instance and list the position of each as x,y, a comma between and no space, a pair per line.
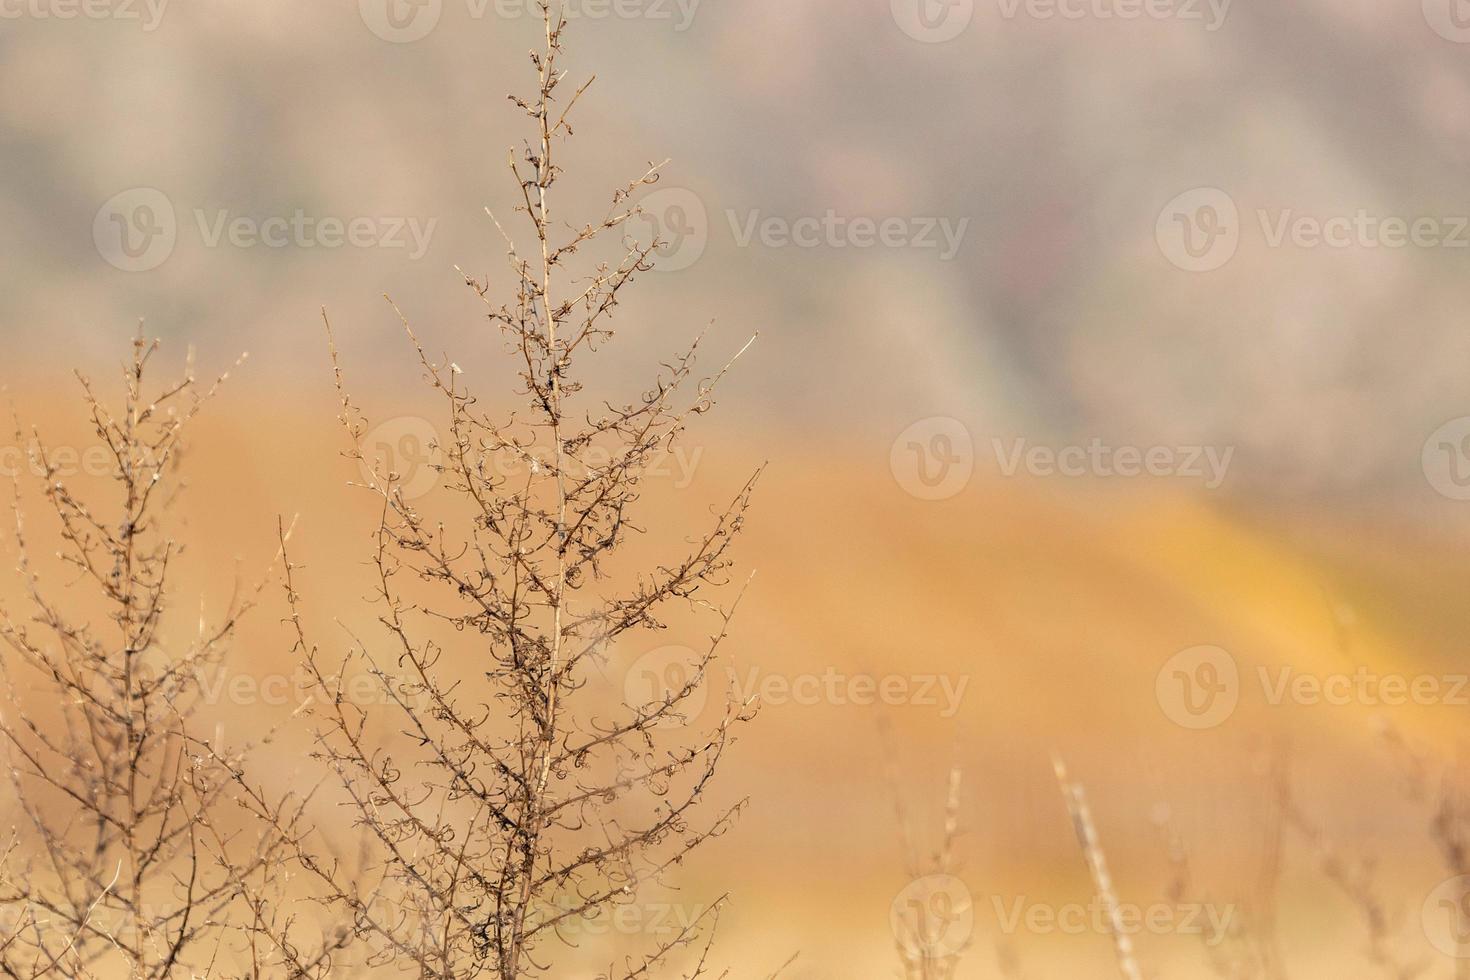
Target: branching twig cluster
521,804
929,934
118,866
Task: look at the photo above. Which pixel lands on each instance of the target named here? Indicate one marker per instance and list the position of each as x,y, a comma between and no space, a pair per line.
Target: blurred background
1111,376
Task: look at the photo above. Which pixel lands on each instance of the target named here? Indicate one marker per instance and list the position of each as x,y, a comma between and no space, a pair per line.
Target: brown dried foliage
118,866
515,803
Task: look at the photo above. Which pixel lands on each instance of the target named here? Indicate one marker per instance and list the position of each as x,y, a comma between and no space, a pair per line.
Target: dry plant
517,803
930,929
1355,878
1441,786
1252,948
118,867
1097,863
1248,949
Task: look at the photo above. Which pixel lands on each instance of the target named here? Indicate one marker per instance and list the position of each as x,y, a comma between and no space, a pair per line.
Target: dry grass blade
1097,863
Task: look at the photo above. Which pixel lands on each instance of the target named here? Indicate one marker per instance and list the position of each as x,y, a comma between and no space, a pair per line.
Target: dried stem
1097,863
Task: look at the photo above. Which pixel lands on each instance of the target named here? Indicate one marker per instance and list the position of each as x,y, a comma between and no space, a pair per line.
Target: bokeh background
1115,175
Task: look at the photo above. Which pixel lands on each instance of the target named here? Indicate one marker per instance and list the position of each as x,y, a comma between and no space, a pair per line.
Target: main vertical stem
131,639
545,174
